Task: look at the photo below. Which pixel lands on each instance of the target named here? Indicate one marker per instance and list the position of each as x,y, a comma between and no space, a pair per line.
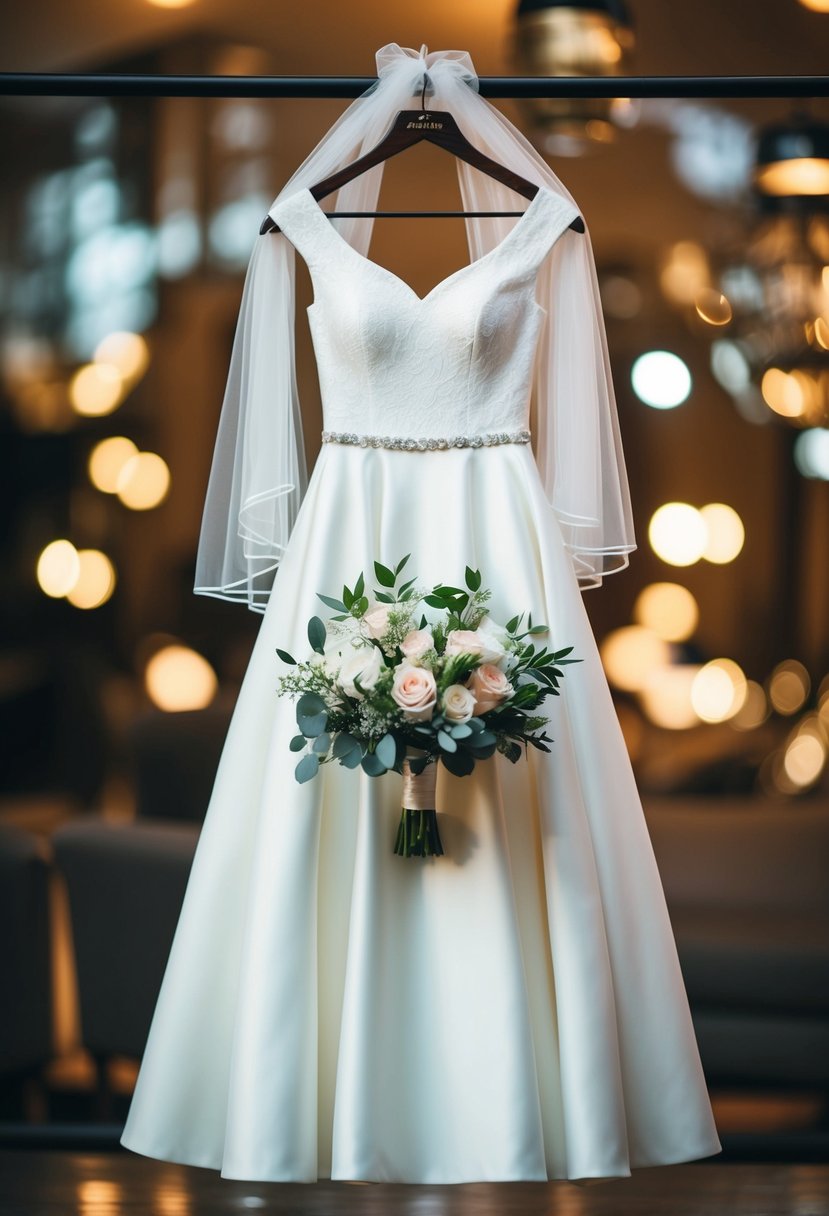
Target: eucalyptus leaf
461,763
312,725
297,743
316,634
344,744
310,703
461,730
285,657
352,759
447,742
386,750
308,767
322,743
373,765
418,764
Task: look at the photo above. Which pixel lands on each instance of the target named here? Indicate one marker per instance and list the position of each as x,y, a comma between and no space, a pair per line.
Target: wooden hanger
410,127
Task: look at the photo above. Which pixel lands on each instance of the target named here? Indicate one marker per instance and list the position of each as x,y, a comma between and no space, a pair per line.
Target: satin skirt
511,1011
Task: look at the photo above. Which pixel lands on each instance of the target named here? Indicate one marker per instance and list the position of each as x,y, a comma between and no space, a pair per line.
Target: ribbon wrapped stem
417,835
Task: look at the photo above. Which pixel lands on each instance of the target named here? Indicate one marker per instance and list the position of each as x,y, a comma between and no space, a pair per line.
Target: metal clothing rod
38,84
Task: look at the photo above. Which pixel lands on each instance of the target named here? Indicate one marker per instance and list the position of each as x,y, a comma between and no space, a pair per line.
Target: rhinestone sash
409,443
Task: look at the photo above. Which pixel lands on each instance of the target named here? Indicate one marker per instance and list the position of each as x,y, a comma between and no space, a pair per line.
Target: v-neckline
306,194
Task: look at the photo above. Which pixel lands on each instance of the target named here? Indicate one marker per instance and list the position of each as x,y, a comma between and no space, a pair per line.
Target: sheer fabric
258,476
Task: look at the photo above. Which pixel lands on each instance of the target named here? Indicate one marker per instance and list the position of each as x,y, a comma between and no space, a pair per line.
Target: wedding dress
515,1008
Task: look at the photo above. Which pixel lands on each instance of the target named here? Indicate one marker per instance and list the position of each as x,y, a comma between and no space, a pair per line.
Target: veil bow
258,476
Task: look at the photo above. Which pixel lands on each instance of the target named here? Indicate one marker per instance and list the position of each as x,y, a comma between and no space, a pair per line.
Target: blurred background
125,229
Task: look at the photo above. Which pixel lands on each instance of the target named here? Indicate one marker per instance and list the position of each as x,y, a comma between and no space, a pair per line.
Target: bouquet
396,692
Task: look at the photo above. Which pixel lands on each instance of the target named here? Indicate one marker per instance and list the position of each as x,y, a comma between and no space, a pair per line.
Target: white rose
498,639
366,665
490,687
458,703
376,619
416,643
474,641
415,691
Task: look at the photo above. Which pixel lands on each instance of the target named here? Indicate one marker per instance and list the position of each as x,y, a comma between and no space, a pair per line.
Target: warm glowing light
96,389
685,272
726,533
178,678
713,307
754,710
171,3
630,653
782,392
143,481
126,351
666,696
107,459
677,533
98,1195
804,758
96,580
718,690
817,6
821,330
58,568
789,685
800,175
668,610
660,379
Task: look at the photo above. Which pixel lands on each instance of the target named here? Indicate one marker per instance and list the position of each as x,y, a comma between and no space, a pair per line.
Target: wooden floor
41,1183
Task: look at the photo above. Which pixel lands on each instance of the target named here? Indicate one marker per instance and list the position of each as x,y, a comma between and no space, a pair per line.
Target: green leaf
311,703
401,563
449,591
404,587
344,744
332,603
561,653
473,579
373,765
461,763
461,730
385,577
316,634
297,743
538,629
322,743
308,767
418,764
352,759
434,600
284,656
447,742
386,750
359,586
348,598
384,597
485,738
361,605
513,624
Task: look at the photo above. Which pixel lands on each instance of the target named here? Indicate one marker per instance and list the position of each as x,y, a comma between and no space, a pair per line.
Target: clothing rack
39,84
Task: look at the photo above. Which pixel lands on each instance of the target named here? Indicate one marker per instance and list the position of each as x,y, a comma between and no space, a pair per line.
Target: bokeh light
718,690
107,459
788,686
58,567
677,533
95,582
178,678
143,481
660,379
726,532
630,653
668,609
95,389
665,696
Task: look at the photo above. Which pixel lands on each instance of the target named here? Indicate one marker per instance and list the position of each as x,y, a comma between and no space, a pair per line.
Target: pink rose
376,620
415,691
416,643
475,641
490,686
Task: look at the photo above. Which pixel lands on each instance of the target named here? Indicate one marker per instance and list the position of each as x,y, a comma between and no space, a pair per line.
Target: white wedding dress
514,1009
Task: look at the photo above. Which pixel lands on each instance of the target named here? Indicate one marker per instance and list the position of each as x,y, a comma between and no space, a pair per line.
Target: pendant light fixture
574,38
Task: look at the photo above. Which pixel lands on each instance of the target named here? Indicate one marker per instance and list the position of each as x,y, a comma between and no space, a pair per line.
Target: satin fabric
514,1009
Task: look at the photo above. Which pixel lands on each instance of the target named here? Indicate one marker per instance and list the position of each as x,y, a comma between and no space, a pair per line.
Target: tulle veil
258,475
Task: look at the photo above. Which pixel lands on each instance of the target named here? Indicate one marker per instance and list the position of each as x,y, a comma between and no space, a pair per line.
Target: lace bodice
457,361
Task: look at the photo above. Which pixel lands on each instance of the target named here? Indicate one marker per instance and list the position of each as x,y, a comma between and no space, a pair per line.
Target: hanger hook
423,92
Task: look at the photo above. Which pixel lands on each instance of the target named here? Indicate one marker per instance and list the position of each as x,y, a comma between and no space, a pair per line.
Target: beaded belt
421,445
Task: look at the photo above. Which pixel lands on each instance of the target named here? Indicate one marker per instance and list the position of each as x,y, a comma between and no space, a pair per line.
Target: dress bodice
457,361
